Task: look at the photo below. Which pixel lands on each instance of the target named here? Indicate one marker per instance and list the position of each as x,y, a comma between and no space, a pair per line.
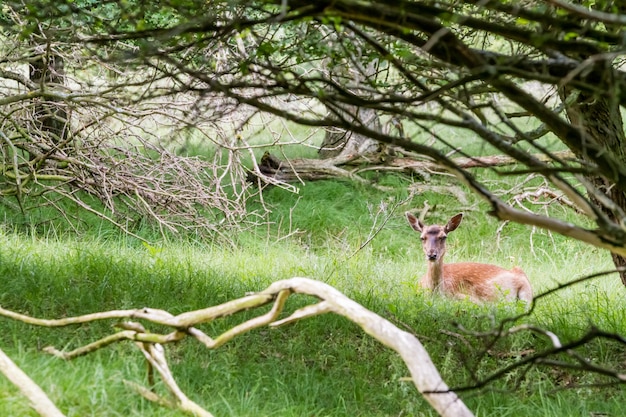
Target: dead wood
299,170
37,397
424,374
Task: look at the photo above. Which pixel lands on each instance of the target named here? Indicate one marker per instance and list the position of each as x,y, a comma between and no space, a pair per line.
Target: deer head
434,237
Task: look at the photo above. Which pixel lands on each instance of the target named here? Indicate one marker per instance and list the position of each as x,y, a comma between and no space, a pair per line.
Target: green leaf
570,35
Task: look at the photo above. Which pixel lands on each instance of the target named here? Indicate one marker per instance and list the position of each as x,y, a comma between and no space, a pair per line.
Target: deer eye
443,238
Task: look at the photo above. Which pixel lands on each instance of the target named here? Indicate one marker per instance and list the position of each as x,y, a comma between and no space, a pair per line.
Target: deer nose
432,256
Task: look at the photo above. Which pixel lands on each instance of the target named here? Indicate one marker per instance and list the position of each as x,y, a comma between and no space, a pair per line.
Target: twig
541,357
155,354
383,207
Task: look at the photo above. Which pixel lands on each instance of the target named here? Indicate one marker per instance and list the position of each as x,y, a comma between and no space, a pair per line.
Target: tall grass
324,366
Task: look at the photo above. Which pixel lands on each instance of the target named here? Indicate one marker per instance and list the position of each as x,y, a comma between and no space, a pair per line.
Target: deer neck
435,273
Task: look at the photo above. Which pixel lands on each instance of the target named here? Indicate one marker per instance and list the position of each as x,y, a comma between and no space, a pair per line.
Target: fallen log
300,170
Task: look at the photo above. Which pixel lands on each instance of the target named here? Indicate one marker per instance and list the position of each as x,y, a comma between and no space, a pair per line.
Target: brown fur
476,281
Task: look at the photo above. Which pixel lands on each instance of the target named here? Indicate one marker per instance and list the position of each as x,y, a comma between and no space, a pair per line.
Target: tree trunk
601,120
50,116
339,142
342,143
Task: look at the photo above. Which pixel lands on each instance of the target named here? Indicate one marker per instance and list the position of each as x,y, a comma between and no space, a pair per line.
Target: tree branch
424,374
38,399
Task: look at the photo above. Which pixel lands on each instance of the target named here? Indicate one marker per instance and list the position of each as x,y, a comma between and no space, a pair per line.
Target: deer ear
415,223
454,223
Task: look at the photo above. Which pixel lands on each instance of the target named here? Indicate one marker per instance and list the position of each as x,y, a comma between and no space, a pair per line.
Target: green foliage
323,365
108,17
351,236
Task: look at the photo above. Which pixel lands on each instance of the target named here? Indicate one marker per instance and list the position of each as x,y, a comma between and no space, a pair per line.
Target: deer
476,281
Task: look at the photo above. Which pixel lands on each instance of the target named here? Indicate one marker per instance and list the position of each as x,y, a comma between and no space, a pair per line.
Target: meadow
350,236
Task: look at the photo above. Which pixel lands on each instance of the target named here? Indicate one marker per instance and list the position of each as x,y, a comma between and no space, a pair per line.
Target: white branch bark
424,374
39,401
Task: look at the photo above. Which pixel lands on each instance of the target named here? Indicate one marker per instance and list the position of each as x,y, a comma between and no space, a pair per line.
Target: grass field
324,366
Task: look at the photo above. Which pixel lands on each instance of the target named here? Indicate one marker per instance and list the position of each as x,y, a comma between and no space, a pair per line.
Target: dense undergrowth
352,237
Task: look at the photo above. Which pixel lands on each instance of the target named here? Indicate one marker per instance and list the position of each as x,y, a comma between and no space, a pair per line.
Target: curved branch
155,355
37,397
586,13
541,358
424,374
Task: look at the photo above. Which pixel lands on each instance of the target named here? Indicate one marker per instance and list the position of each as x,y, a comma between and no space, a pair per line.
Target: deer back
481,282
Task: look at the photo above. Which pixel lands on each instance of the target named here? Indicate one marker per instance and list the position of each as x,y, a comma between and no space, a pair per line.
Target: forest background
177,155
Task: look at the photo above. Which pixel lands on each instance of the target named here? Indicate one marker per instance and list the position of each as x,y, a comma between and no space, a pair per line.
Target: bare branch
155,354
586,13
39,401
423,372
